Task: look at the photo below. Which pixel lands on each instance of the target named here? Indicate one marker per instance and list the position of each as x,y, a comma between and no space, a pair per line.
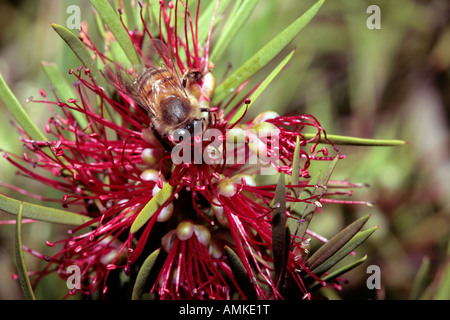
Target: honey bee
157,88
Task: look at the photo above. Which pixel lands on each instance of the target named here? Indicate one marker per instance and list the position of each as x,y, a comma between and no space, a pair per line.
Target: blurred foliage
391,83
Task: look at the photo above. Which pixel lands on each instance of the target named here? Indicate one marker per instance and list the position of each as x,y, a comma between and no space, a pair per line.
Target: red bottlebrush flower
111,158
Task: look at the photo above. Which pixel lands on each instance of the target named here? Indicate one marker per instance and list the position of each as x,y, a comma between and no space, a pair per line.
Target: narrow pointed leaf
118,4
151,207
238,16
442,289
295,177
18,112
280,275
421,280
37,212
327,175
100,26
279,225
80,50
24,280
265,55
112,20
241,275
116,53
143,274
335,243
353,141
306,209
333,275
262,87
204,20
154,9
350,246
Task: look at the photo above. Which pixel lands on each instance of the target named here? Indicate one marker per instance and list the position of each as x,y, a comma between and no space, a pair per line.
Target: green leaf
63,89
305,210
154,9
151,207
421,279
351,245
125,11
238,16
262,87
442,290
116,53
80,50
143,274
19,112
100,26
439,288
295,176
37,212
24,280
112,20
279,221
204,21
333,275
280,238
352,141
241,275
265,55
317,187
335,243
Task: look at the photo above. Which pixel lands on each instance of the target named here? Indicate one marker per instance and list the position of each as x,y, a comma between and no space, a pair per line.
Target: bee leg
209,115
161,139
191,76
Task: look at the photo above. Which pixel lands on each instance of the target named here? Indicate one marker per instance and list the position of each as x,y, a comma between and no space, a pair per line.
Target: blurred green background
388,83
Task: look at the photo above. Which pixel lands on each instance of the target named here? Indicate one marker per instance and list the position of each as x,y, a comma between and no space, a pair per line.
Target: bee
157,88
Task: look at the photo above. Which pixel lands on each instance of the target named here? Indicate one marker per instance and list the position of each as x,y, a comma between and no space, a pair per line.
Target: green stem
24,280
345,140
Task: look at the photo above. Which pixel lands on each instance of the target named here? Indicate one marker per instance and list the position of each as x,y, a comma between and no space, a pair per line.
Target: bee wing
158,55
123,79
